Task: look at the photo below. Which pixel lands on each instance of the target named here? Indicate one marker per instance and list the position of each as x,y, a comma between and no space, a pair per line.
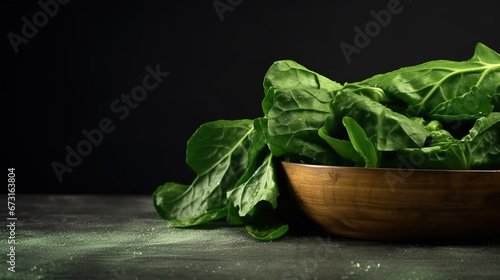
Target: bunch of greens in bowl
444,112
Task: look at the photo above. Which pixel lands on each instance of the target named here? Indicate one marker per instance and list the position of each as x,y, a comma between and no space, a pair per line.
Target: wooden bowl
398,204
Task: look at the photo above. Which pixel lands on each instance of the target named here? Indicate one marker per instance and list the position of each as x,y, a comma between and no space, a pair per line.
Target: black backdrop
76,59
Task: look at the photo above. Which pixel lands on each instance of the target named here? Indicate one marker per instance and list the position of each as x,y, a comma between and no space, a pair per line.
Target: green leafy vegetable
296,104
361,143
344,148
440,114
267,233
388,130
483,143
288,74
261,186
293,122
471,105
424,87
217,152
480,149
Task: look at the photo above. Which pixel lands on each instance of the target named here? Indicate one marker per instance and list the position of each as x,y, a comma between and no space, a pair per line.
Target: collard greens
446,113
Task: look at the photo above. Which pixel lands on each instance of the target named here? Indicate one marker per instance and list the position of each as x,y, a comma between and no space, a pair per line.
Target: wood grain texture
398,204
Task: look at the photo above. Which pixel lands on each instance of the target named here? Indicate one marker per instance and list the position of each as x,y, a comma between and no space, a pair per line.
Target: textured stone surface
122,238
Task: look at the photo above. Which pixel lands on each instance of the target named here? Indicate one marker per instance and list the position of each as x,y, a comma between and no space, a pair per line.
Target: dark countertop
120,237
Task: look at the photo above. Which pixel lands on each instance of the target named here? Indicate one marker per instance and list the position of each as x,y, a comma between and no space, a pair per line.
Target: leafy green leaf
444,153
266,222
483,125
261,186
471,105
386,129
288,74
294,119
257,150
361,143
374,93
296,104
344,148
267,233
480,149
425,86
433,125
483,143
217,152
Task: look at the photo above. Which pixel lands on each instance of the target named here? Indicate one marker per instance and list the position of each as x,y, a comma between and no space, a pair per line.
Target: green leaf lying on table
445,113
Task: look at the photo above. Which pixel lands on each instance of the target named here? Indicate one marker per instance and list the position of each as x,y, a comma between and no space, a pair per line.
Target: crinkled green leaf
436,157
261,186
293,123
480,149
257,151
482,125
386,129
483,143
288,74
218,152
471,105
374,93
258,183
433,125
443,152
428,85
296,104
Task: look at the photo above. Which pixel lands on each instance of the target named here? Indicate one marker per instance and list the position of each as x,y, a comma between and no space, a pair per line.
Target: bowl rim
321,166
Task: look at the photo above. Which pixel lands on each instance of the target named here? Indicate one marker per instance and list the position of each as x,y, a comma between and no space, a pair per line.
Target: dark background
67,76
